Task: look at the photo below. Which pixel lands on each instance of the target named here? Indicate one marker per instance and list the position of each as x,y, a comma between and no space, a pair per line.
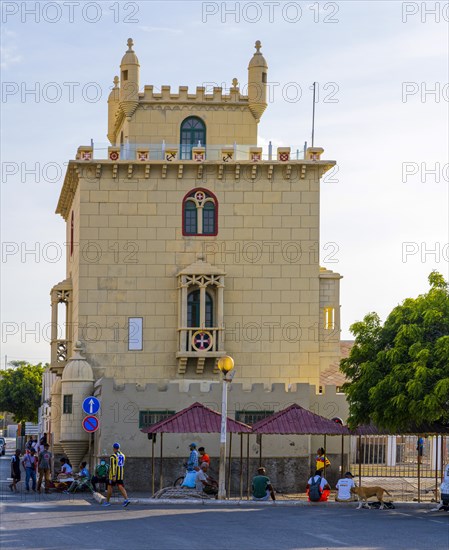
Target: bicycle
180,480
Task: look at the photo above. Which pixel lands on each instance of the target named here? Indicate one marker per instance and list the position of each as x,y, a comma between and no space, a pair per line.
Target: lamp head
225,364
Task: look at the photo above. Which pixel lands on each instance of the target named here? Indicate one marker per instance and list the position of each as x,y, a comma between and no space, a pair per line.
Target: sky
382,109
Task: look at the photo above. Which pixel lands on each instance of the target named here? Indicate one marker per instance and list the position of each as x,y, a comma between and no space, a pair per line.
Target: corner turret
257,83
129,81
77,383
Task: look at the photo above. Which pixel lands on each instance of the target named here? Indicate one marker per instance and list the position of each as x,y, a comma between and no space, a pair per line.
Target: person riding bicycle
192,461
191,466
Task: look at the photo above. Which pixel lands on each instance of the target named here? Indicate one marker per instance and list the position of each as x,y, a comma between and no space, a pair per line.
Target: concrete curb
251,503
99,498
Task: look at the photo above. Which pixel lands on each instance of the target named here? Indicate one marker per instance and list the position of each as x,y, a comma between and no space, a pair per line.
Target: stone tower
187,241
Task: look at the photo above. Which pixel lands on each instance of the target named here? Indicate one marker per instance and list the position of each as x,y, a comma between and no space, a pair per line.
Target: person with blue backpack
318,488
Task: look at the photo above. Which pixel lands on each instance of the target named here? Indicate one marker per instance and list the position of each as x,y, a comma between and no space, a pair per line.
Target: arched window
193,131
200,213
193,310
190,218
209,218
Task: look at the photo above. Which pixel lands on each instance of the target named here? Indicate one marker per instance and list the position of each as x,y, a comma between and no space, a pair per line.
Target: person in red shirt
204,457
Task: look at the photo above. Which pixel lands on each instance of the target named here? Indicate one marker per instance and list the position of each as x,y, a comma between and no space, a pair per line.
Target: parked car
2,445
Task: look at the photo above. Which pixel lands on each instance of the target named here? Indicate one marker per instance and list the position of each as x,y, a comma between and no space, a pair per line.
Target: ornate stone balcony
59,355
61,347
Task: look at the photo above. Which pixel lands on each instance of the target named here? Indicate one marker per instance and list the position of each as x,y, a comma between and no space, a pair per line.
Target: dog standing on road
364,493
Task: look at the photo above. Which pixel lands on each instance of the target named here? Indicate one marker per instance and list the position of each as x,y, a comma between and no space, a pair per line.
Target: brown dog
364,493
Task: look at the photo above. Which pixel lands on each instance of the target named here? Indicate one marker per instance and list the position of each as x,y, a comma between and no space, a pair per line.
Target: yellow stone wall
73,262
329,337
225,124
131,248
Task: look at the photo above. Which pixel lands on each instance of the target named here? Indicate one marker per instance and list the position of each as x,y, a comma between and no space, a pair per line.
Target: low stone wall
121,407
287,474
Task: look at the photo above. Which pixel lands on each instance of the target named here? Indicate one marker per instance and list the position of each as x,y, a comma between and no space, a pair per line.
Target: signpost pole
88,452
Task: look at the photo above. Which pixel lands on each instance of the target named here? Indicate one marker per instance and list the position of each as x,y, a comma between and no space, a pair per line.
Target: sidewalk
144,499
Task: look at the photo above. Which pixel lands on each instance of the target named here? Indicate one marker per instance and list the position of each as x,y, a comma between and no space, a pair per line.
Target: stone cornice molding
292,170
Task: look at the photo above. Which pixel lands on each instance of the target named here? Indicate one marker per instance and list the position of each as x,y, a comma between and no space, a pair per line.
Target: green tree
20,390
398,373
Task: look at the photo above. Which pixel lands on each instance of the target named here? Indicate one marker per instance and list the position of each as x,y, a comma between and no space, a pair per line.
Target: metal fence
393,456
410,467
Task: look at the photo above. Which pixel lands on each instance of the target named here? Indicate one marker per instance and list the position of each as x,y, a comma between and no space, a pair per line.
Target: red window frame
209,195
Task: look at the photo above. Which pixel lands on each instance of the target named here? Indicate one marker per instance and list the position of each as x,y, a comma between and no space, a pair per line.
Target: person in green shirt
101,474
261,486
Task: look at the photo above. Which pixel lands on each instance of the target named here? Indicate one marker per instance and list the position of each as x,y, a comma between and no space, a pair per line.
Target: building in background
44,418
187,242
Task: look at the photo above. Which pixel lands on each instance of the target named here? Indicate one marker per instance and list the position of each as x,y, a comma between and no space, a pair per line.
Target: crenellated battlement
182,95
209,386
257,396
234,111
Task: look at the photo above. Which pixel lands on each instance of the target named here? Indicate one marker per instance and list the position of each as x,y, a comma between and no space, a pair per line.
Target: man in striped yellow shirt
116,475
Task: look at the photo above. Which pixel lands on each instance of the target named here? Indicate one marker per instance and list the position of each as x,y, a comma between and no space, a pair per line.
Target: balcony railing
59,355
158,151
195,341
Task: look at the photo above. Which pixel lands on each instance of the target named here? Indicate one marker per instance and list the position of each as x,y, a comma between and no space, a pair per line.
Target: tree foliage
20,390
398,373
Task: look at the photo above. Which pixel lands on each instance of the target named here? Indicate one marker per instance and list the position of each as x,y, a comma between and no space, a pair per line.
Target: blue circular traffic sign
91,424
91,405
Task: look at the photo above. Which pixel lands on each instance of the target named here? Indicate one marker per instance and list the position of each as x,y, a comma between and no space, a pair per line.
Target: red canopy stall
295,420
195,419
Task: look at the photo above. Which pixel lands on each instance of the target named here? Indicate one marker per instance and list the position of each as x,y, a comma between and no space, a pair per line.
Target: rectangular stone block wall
152,125
120,406
268,232
73,262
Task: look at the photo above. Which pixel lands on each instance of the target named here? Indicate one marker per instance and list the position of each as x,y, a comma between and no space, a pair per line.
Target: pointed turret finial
258,45
78,346
130,44
116,81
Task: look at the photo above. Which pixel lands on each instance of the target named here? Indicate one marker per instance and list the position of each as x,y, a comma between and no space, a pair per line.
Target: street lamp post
226,367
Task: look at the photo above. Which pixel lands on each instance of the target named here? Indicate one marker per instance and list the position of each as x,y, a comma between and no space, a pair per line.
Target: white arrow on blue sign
91,405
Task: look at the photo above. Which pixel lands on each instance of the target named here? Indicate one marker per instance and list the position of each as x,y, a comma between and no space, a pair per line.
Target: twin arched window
200,213
193,310
193,134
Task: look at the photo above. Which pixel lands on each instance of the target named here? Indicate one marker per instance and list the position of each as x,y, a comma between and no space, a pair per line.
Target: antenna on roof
313,114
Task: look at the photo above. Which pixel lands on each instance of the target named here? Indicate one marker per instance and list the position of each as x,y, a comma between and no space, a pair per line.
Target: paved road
60,522
32,521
